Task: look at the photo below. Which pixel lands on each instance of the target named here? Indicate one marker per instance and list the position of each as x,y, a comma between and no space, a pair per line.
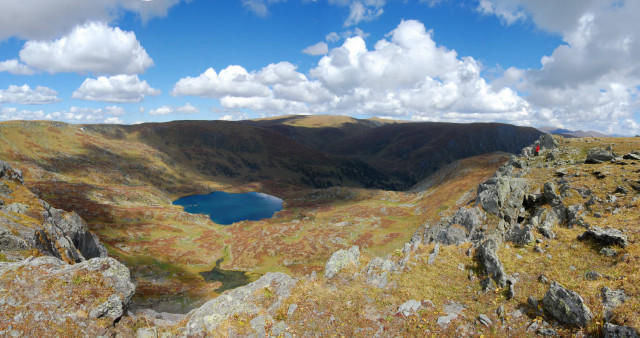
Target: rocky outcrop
340,260
264,296
599,155
50,297
607,236
566,306
487,256
502,196
50,231
378,270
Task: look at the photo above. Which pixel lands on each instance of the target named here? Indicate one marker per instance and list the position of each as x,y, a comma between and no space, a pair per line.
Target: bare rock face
48,230
566,306
264,295
502,196
340,260
50,297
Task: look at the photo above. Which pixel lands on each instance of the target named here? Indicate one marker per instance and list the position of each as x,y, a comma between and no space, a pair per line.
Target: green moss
3,257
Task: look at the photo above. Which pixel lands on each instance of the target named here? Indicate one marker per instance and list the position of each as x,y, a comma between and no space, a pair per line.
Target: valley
122,180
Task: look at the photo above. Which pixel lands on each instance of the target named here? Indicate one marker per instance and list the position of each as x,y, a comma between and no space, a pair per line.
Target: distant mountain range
570,133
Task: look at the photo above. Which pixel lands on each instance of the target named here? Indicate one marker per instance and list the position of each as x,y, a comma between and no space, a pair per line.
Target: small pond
227,208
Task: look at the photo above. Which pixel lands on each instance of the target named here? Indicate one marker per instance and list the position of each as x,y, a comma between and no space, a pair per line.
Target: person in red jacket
537,149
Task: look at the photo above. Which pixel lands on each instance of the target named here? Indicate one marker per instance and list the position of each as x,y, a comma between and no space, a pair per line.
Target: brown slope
412,151
235,152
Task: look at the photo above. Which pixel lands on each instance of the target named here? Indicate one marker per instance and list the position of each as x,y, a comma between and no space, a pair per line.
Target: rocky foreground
547,247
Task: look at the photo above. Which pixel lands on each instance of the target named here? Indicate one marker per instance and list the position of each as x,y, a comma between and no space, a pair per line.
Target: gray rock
549,193
607,236
452,311
502,196
340,260
434,254
292,309
409,308
632,156
592,275
543,279
511,293
520,235
533,302
615,331
487,257
279,328
112,308
488,284
247,300
599,155
612,299
547,332
469,218
566,306
484,320
452,235
547,141
574,215
258,323
608,252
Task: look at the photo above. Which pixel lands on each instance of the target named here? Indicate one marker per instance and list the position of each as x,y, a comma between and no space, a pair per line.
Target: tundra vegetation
433,241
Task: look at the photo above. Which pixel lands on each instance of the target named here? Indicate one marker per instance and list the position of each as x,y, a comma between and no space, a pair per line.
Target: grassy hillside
122,179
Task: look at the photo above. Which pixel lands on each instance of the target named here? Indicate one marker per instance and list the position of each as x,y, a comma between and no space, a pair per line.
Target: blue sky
574,65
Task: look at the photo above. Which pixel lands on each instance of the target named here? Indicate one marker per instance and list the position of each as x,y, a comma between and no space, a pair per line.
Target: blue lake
227,208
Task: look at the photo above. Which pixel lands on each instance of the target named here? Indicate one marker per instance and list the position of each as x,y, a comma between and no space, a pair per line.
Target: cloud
15,67
73,115
332,37
46,19
119,89
232,81
259,7
166,110
407,76
25,95
320,48
92,48
362,12
591,81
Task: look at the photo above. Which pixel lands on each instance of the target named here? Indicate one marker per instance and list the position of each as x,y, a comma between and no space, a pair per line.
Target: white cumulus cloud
14,66
119,89
26,95
320,48
232,81
91,48
406,76
166,110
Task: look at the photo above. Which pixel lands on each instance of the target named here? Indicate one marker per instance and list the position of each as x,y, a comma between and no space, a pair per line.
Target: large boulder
566,306
599,155
264,295
81,299
340,260
547,141
606,236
